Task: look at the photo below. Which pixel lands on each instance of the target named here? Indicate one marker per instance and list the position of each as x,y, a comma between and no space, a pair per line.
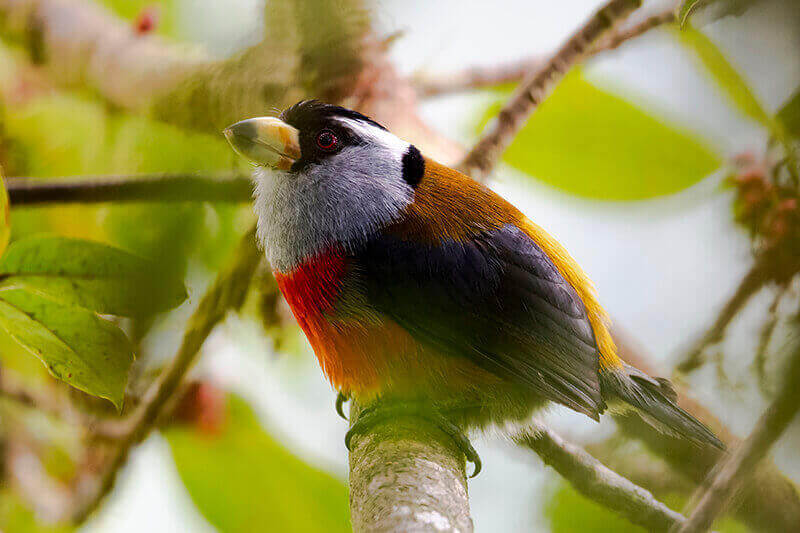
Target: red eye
327,140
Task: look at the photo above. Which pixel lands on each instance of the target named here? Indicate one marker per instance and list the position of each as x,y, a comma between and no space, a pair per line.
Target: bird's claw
341,399
371,416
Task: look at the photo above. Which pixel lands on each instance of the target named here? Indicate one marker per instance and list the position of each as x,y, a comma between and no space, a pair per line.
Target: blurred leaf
789,115
244,481
63,135
726,77
169,234
591,143
15,517
166,13
570,512
5,215
331,36
88,274
77,346
66,134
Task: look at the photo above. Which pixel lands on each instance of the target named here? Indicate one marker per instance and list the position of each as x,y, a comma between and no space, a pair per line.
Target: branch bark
407,475
480,161
135,188
599,483
730,474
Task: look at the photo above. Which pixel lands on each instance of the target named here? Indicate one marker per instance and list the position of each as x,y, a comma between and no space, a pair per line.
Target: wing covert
495,298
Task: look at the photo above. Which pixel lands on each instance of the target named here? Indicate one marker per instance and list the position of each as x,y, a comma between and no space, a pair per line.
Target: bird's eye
327,140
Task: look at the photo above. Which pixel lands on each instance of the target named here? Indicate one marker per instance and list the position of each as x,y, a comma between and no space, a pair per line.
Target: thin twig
11,390
615,39
429,85
29,478
729,475
770,502
227,293
129,188
751,283
599,483
765,337
480,161
50,404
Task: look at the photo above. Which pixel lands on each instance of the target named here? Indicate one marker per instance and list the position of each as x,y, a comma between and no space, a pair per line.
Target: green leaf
90,275
726,76
76,346
789,115
569,511
17,517
591,143
244,481
5,223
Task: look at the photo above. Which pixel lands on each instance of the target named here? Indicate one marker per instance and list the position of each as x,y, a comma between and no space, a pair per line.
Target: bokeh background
627,164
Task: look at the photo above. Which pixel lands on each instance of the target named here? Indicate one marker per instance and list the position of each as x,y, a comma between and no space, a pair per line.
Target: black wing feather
497,299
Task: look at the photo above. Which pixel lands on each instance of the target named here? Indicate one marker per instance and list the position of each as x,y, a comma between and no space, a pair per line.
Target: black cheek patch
413,166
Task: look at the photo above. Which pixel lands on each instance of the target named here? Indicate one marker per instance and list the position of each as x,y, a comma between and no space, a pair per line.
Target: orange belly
364,354
366,360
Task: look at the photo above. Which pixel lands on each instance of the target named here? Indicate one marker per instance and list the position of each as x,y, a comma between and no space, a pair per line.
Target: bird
422,291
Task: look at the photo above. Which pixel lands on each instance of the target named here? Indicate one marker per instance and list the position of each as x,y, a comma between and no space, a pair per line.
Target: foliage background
622,165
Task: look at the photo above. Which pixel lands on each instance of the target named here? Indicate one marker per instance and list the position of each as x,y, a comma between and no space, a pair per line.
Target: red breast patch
312,287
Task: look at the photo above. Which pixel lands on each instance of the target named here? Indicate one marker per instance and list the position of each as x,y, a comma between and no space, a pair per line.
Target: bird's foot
374,414
341,399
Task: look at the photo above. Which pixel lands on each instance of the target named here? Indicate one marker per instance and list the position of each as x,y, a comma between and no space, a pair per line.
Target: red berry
146,21
204,406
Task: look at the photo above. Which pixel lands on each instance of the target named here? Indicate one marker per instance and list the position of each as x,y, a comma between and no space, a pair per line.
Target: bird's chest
362,351
314,286
317,292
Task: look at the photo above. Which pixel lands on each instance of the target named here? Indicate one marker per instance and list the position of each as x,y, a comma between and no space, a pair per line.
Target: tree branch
11,390
430,85
227,293
480,161
599,483
60,408
407,475
752,282
730,474
770,502
134,188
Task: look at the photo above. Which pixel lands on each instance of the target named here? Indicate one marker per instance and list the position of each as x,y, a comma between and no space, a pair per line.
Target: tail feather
655,400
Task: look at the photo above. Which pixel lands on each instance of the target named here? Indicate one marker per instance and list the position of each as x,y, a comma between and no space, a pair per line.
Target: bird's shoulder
447,205
457,224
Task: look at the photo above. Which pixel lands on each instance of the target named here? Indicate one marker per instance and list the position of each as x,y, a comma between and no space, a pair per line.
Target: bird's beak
265,141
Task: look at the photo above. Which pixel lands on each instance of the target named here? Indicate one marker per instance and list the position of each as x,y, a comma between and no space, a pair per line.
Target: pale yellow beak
265,141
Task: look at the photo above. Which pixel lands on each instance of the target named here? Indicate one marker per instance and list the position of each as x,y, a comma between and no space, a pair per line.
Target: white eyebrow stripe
396,146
